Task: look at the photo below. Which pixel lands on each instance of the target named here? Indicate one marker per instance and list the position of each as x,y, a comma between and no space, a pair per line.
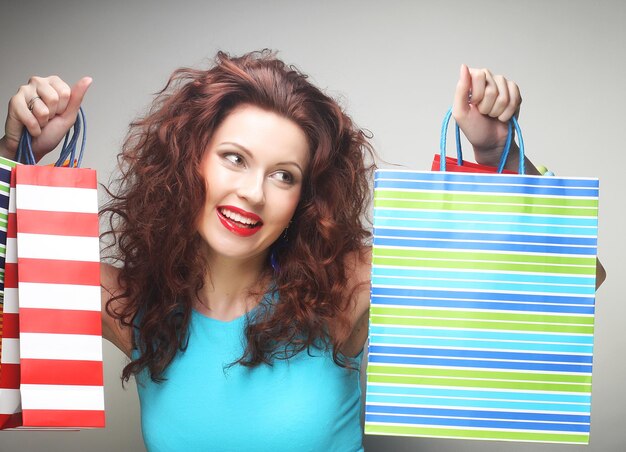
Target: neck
231,287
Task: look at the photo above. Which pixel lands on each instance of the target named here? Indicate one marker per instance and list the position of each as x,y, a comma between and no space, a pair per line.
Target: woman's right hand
47,107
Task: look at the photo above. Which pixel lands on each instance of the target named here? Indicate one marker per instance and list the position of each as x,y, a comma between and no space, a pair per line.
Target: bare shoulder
358,266
112,329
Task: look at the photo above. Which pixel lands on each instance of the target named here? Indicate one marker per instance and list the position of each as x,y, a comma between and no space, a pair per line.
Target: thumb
76,97
461,106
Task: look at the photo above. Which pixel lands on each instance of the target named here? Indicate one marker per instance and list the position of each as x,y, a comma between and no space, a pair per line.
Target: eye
284,176
235,159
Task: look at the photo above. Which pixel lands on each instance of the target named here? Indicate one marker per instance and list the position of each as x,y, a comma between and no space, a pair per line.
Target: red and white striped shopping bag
55,291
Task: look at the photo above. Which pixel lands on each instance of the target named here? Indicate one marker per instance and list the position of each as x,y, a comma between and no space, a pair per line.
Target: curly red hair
156,203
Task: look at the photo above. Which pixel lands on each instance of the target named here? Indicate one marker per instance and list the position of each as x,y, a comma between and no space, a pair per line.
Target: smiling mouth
238,218
239,222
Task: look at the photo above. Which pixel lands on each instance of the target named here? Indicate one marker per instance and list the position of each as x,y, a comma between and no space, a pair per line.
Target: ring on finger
31,103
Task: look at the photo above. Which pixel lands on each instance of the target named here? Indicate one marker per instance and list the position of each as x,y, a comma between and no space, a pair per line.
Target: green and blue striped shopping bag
482,306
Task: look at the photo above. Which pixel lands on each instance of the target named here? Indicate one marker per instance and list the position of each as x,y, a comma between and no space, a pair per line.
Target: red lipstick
237,227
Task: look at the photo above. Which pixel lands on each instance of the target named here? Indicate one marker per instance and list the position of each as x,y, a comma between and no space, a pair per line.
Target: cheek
214,179
291,203
281,204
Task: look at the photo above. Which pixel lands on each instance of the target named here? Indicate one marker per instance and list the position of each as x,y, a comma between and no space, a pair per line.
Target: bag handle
25,154
459,152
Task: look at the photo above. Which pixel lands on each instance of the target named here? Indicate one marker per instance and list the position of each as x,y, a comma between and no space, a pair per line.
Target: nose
251,188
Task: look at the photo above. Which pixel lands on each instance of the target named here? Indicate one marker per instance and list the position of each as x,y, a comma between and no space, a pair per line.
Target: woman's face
254,168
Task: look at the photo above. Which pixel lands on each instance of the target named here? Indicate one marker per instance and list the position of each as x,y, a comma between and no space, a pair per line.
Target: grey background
394,65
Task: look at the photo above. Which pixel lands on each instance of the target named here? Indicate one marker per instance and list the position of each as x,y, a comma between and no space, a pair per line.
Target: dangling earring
274,261
278,246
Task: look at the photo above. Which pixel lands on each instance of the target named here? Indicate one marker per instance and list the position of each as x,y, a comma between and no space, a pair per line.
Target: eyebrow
249,154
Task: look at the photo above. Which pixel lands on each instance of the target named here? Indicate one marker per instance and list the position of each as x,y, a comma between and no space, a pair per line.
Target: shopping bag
53,286
6,166
9,355
5,180
458,165
482,305
453,166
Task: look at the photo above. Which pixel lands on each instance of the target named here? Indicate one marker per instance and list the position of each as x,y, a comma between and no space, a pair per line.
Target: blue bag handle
459,152
25,154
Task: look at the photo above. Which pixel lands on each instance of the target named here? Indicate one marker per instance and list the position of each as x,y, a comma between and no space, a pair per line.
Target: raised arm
112,329
47,107
483,103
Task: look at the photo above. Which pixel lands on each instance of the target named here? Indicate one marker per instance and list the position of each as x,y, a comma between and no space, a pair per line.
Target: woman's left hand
483,104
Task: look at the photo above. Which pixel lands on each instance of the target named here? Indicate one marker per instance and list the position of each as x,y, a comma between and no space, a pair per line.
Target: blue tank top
306,403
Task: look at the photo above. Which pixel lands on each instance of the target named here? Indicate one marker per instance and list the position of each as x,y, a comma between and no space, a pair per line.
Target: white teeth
237,217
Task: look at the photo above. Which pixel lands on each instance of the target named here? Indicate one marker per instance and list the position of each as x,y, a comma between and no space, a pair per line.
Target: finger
490,94
48,99
478,85
39,109
461,105
502,98
63,91
76,97
515,100
31,107
18,117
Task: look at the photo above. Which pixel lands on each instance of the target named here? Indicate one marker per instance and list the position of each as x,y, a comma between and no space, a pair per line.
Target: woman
242,299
